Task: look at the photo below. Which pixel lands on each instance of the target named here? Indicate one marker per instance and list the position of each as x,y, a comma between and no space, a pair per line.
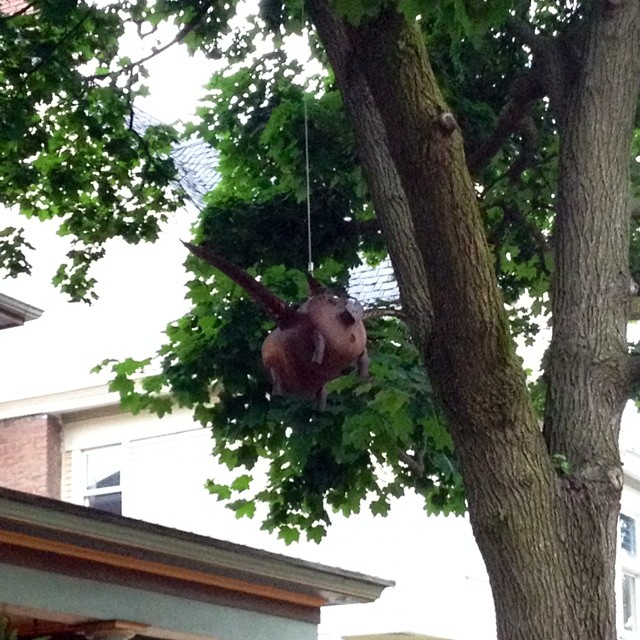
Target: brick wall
31,454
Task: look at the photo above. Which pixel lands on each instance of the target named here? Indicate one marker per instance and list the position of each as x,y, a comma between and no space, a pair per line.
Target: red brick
31,454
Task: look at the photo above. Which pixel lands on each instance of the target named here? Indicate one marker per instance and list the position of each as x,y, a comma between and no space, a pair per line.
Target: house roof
195,161
14,313
393,636
77,540
372,285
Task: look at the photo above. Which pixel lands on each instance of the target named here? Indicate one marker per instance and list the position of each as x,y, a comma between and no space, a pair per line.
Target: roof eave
108,537
14,313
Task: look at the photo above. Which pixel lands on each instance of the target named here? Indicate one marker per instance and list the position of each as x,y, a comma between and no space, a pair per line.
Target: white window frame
79,465
128,431
628,566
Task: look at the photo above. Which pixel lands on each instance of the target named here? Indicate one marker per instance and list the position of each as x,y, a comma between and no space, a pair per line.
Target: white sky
176,79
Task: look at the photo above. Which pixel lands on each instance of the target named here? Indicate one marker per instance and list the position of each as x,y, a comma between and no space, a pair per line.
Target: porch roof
80,566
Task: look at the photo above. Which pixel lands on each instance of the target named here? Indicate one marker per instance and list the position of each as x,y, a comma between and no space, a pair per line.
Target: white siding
434,560
165,479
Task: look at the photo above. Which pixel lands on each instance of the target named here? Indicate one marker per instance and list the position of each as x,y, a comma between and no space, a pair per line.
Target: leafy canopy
72,151
380,437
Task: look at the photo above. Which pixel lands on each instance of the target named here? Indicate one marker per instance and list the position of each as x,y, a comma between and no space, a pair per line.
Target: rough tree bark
389,199
548,542
587,362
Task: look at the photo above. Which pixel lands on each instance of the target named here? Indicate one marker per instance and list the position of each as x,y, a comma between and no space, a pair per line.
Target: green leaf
380,507
221,491
241,483
289,534
243,508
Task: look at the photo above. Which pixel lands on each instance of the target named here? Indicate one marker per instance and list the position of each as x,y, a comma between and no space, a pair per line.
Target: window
628,535
629,622
102,483
119,464
629,578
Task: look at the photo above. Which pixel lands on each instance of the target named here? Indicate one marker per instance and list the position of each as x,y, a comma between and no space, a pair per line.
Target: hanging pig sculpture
313,343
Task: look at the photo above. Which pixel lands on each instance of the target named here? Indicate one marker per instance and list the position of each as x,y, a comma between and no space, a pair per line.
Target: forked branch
512,118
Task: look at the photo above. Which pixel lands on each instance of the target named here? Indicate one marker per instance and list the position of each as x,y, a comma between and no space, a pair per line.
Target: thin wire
306,159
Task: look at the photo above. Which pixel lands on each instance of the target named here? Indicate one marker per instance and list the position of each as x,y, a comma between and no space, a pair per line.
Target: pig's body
314,343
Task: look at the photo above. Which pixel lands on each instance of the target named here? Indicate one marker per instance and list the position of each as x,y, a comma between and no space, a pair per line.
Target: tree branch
471,363
548,60
415,467
367,228
590,285
634,370
180,36
634,308
384,312
529,134
634,209
526,34
513,214
524,91
387,192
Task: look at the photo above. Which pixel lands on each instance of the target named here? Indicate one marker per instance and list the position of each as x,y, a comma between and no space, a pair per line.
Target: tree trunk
548,542
587,361
389,199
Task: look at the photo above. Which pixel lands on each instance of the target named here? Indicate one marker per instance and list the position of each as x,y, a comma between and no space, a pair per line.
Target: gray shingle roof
372,285
196,161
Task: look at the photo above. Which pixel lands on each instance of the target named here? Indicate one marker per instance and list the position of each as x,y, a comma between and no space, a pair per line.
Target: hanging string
306,160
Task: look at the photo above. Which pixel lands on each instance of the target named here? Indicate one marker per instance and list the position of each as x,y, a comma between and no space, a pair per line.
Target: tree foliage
254,116
71,148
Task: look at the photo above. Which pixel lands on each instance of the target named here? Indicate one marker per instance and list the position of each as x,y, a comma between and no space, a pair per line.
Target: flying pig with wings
314,342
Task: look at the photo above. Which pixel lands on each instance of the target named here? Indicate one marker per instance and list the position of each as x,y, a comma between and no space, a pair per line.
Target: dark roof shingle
195,161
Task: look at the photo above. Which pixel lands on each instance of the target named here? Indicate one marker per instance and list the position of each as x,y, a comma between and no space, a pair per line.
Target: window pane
103,467
111,502
629,602
628,535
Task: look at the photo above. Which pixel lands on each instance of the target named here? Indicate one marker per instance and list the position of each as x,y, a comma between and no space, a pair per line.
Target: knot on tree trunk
448,122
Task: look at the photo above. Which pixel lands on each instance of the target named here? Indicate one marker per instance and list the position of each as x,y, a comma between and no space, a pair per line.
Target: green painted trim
166,615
